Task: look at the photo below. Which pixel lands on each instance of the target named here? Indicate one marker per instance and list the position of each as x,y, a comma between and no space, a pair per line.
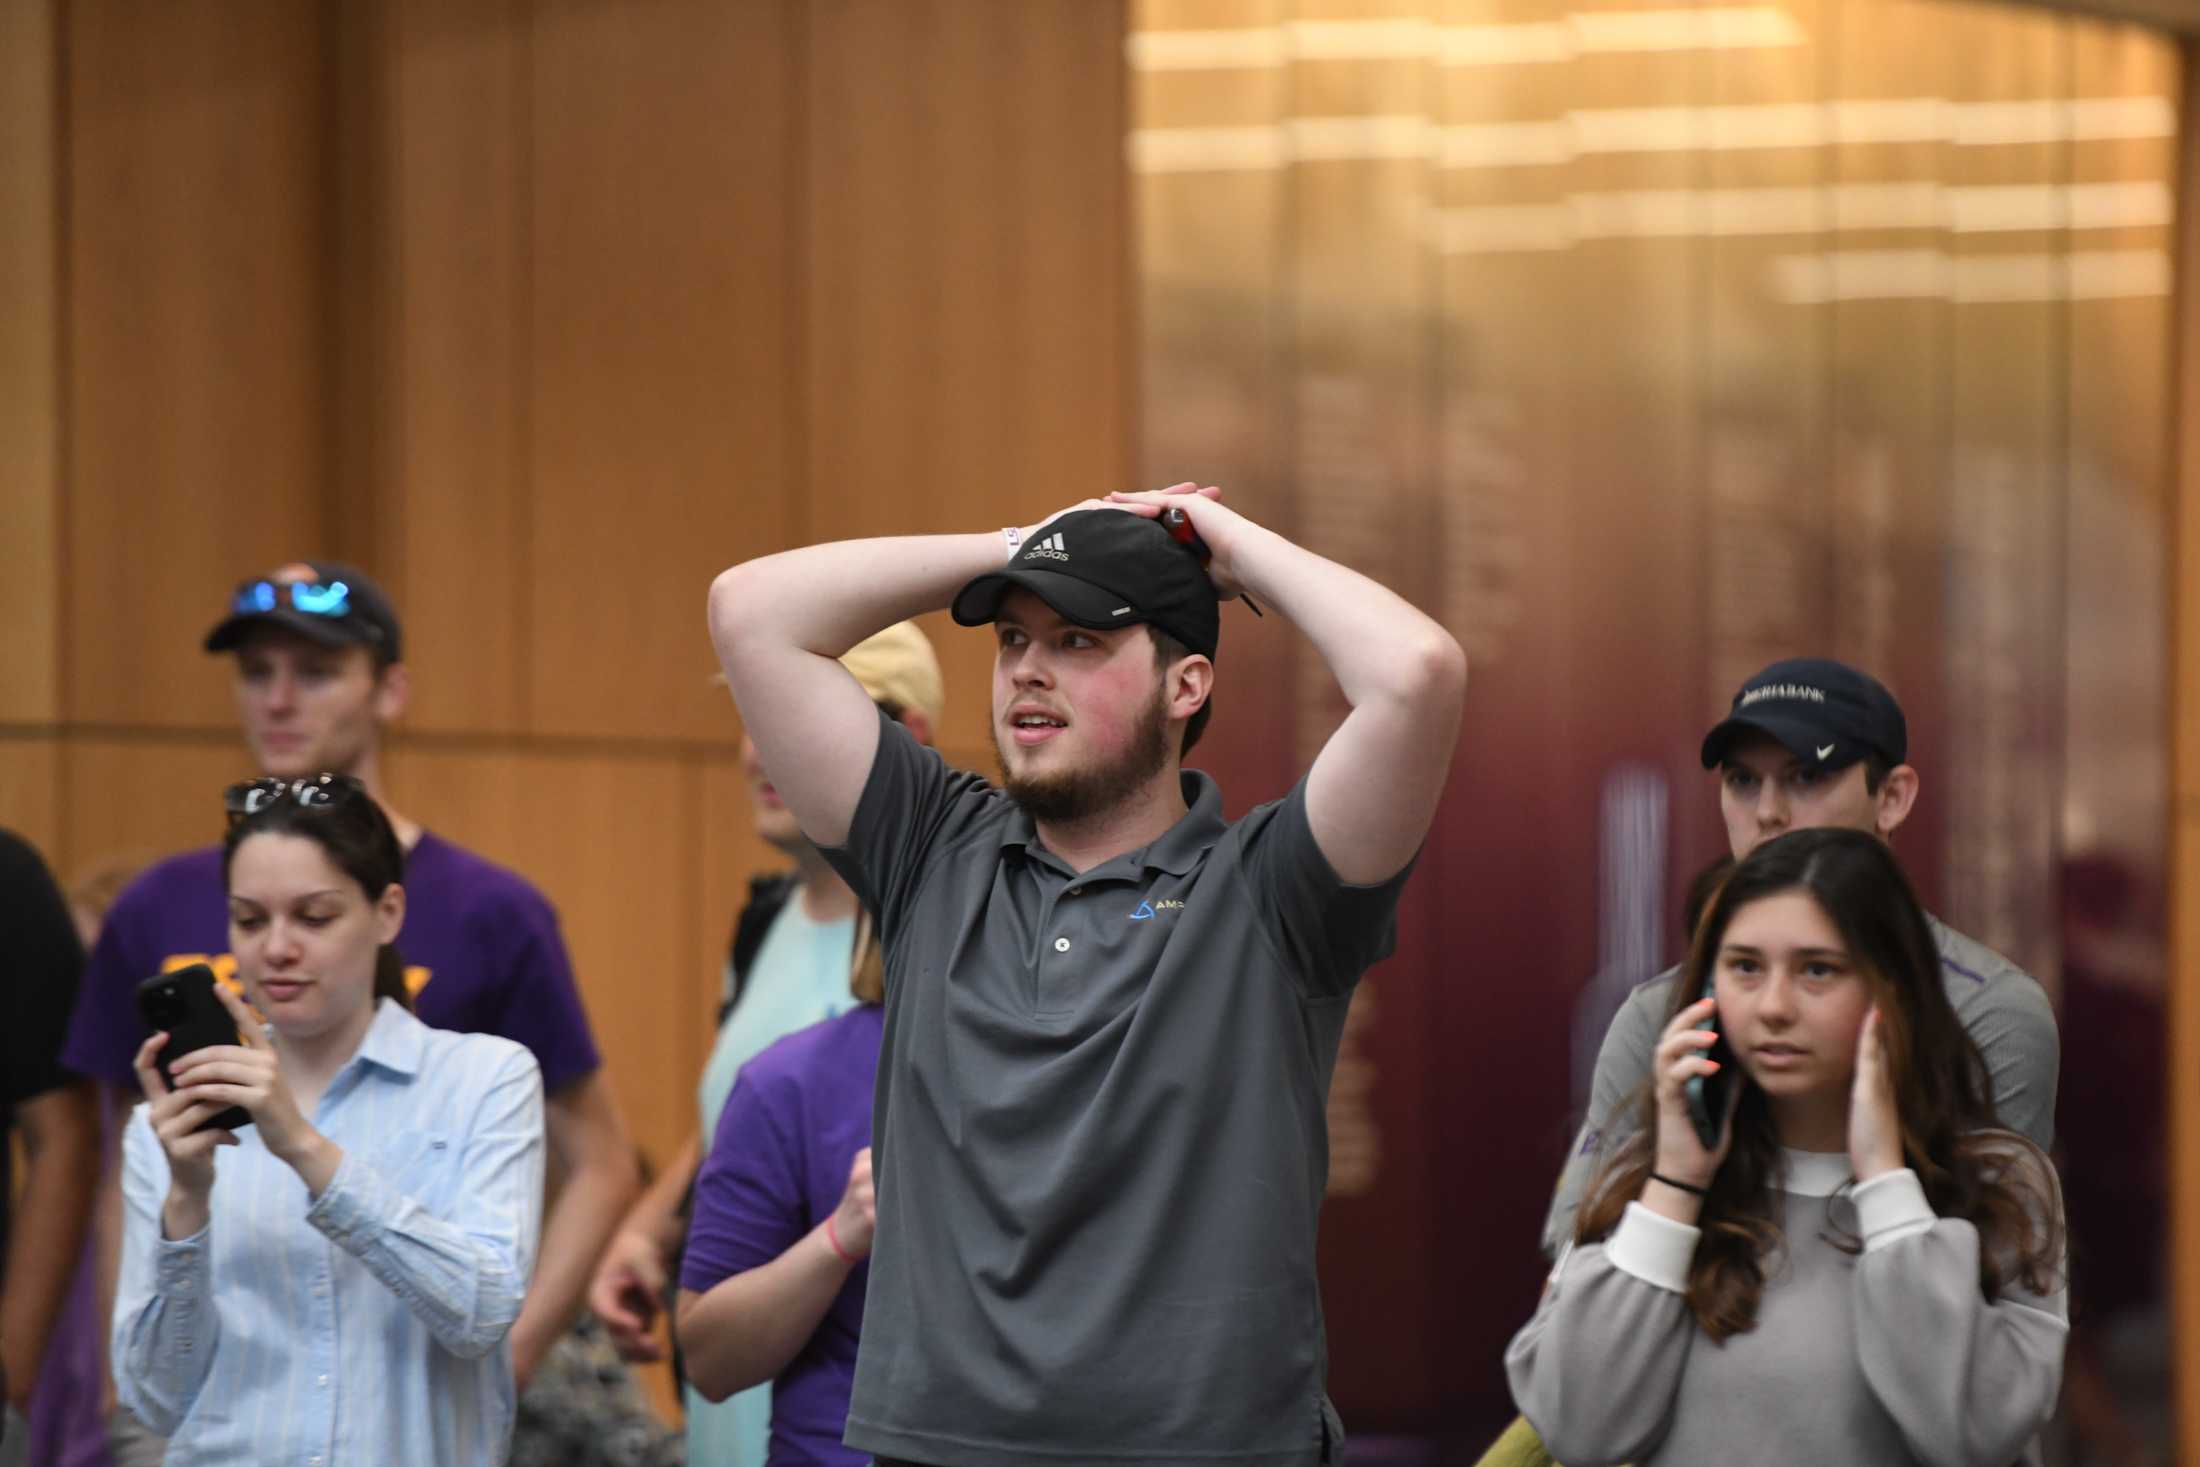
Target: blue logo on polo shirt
1144,912
1147,911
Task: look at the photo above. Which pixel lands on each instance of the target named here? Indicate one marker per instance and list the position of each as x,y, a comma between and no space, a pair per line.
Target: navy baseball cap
1825,713
324,601
1105,568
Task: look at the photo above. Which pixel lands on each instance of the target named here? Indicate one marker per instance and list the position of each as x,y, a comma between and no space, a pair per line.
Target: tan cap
898,666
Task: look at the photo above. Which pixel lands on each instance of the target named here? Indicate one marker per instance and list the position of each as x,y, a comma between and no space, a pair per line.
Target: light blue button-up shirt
365,1326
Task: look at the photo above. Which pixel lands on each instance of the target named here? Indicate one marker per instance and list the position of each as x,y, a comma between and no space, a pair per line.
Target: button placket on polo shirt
1071,941
1053,976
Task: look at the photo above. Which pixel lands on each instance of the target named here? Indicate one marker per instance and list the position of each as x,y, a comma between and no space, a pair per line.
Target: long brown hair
1943,1098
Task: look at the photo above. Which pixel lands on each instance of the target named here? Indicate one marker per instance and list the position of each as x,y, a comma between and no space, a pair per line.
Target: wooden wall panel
197,341
967,303
153,794
30,795
30,363
661,286
454,540
612,840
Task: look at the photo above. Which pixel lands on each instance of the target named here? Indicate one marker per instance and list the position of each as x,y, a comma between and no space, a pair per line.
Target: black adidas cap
1825,713
1105,568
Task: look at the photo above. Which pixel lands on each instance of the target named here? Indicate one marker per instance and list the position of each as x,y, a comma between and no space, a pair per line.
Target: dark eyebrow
1736,766
1743,949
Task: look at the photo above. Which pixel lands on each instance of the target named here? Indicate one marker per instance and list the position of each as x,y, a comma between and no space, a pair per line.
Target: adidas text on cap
1105,568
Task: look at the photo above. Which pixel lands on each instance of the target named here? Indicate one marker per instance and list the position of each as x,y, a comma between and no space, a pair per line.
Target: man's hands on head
1219,526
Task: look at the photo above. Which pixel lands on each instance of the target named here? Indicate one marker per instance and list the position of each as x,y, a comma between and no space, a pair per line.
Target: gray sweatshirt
1888,1358
2003,1009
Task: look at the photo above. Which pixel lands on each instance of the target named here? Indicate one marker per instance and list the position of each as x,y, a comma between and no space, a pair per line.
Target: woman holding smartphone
334,1283
1862,1268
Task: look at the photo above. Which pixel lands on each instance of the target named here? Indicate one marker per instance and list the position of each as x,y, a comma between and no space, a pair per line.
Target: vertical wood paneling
660,290
156,794
30,797
30,362
455,535
198,334
613,842
967,227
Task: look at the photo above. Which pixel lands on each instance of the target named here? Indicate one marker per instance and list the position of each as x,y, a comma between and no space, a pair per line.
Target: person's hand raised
248,1074
1679,1057
1215,523
176,1117
1875,1126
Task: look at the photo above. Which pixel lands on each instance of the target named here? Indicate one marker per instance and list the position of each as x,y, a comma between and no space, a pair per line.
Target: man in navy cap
1812,743
1111,1015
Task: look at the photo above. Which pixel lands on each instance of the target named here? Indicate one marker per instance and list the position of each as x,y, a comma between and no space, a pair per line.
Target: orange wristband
832,1241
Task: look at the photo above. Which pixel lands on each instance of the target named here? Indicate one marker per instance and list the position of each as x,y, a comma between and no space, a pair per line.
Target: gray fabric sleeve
1597,1369
1623,1064
1968,1382
2013,1024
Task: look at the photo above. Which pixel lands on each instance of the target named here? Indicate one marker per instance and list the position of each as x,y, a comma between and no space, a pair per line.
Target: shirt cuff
352,1207
1653,1248
180,1267
1891,1207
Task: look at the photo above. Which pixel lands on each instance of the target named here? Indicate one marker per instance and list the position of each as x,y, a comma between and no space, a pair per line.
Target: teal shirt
799,978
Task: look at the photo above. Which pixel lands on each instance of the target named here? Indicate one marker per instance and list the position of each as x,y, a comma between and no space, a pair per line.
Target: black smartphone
1707,1093
182,1004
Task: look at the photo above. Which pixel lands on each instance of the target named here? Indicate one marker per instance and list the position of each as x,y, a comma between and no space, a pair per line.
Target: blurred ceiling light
1621,130
1240,48
2014,279
1581,218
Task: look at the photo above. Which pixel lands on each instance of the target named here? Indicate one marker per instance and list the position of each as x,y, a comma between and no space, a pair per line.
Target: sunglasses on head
315,598
318,792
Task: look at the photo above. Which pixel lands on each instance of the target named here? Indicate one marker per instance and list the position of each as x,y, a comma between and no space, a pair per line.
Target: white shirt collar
1814,1173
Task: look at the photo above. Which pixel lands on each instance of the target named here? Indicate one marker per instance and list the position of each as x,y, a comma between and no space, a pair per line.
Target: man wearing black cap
1813,743
319,671
1111,1016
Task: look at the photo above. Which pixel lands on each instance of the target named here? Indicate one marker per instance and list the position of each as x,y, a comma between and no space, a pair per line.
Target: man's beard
1078,794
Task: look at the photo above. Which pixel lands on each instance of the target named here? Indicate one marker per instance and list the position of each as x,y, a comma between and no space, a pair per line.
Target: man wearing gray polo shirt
1111,1017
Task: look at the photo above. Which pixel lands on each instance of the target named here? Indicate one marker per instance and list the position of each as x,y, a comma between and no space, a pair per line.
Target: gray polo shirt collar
1177,850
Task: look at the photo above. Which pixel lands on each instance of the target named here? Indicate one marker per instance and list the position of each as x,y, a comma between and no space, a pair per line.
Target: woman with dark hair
1863,1268
339,1289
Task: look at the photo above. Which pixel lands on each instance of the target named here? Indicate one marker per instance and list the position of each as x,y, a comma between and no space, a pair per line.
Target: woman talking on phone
1859,1267
334,1283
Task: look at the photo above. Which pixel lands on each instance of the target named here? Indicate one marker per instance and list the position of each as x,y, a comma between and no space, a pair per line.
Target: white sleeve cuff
1891,1207
1653,1248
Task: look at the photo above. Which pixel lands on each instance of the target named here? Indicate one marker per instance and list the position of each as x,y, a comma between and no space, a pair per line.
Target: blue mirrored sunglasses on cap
315,598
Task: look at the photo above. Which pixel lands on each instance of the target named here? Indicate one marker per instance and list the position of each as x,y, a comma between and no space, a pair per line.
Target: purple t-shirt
798,1114
481,947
